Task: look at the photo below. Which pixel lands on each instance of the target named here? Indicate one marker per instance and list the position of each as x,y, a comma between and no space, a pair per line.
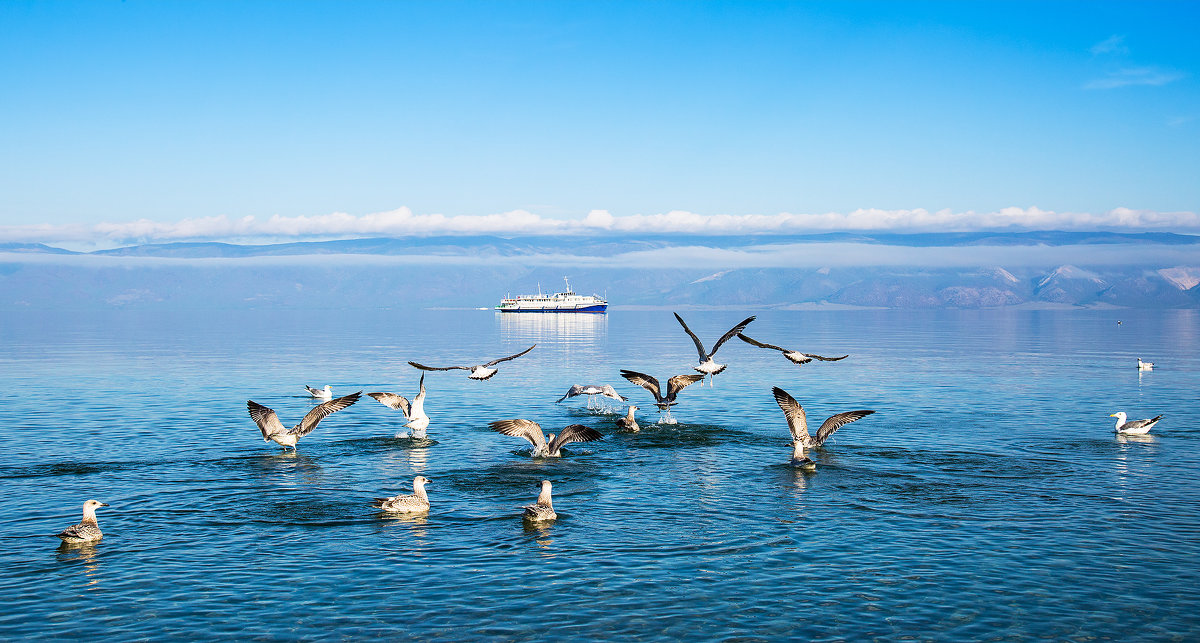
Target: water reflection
540,531
85,553
291,465
564,327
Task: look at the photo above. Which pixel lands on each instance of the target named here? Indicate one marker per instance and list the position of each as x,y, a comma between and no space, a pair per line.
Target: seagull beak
104,504
1112,415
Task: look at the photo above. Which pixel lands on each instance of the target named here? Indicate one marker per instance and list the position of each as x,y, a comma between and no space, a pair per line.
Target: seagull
544,509
545,445
321,394
674,386
798,424
795,357
415,414
88,530
707,365
272,428
479,371
415,503
591,390
1145,366
627,423
1134,427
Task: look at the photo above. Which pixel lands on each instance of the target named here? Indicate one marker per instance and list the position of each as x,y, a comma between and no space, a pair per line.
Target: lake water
987,498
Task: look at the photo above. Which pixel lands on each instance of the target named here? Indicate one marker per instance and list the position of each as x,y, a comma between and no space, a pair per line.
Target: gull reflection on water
540,531
570,328
85,553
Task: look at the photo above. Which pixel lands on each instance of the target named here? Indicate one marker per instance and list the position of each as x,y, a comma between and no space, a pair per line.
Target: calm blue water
987,498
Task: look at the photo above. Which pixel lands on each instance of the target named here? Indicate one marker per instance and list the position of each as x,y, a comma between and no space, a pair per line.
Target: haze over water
986,498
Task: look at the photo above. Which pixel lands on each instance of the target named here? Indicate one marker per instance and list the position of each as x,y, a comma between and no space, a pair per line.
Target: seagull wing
1137,424
730,333
319,412
699,346
439,368
794,413
519,428
644,381
608,391
574,433
265,418
392,401
314,391
824,359
755,342
571,392
836,422
680,382
505,359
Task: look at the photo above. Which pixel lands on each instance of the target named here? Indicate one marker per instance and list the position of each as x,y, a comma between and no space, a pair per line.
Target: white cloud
403,223
1114,44
1134,76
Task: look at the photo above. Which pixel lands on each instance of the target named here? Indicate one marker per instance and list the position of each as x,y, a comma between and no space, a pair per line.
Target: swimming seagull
628,423
1145,366
795,357
417,502
272,428
1134,427
88,530
479,371
674,386
591,390
545,445
544,509
415,414
798,424
321,394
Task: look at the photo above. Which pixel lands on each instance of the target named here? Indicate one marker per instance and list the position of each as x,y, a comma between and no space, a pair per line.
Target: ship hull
598,308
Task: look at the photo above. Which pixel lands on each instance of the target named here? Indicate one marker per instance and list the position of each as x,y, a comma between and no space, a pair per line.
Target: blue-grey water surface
987,498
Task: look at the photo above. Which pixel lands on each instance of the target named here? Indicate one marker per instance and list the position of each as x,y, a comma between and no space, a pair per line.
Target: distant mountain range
476,271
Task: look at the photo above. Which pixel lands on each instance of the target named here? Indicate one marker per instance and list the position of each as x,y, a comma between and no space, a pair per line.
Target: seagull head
421,481
94,504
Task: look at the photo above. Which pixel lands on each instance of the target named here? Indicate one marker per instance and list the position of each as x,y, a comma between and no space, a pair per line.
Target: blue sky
169,120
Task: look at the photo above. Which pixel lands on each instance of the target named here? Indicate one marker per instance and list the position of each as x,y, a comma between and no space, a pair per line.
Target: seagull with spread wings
795,357
478,371
272,428
707,365
592,390
798,424
545,445
414,413
664,402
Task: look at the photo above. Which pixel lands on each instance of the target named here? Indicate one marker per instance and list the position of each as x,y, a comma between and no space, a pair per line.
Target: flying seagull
416,502
592,390
545,445
272,428
798,424
88,530
795,357
707,365
674,386
414,413
1134,427
479,371
321,394
544,509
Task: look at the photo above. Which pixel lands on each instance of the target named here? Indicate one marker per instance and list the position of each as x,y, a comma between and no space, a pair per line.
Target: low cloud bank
789,255
403,223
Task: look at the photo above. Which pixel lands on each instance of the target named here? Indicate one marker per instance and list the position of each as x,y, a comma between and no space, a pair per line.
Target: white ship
559,302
